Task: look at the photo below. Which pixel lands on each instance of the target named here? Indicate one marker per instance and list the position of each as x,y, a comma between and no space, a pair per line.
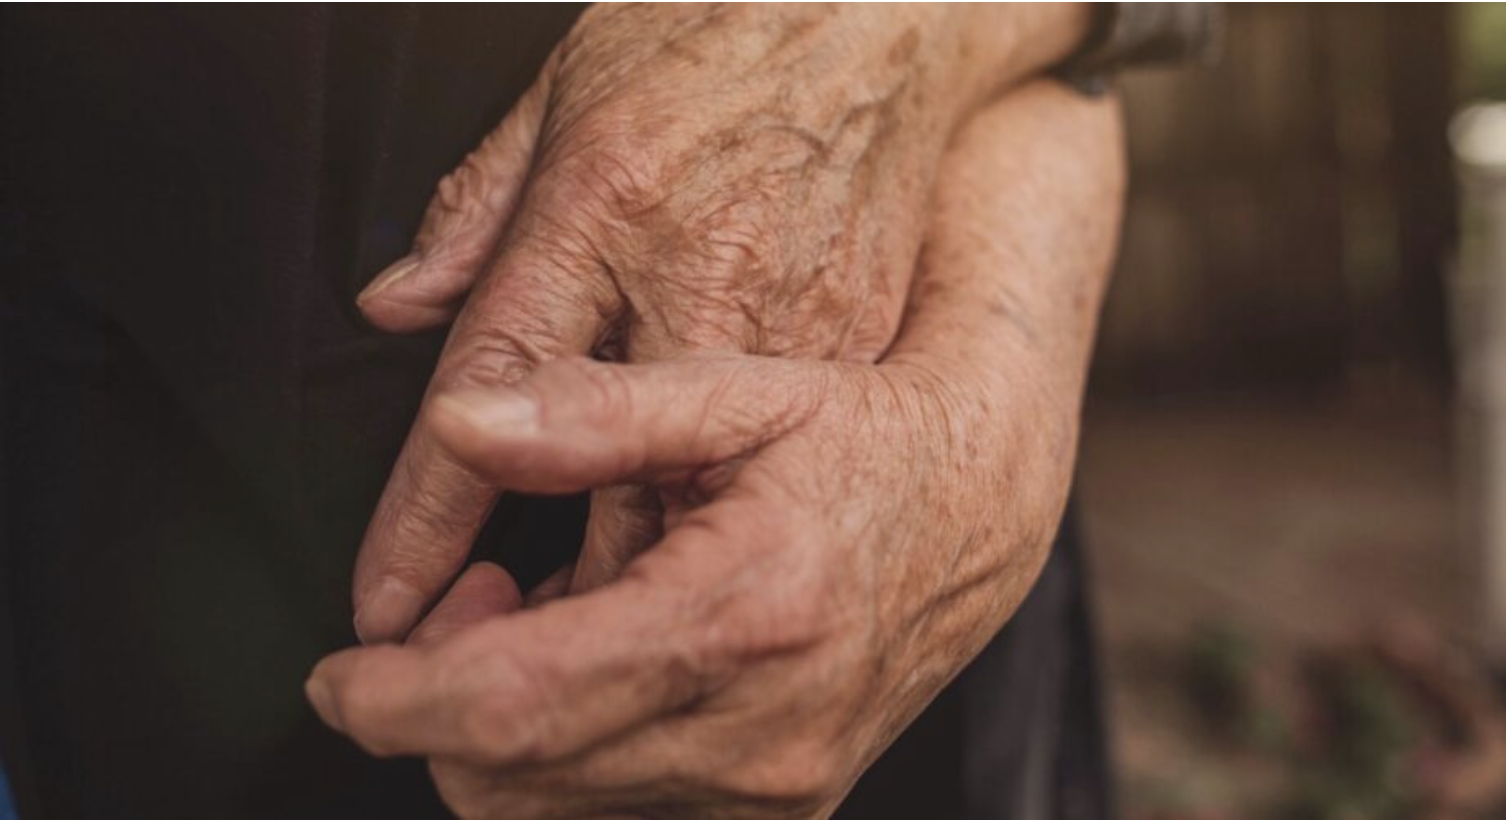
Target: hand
741,178
841,539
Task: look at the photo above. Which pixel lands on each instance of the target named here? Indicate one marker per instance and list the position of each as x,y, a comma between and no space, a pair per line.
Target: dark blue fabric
7,805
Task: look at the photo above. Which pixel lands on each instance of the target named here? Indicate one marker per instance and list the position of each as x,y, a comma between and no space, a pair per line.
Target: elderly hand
743,178
840,539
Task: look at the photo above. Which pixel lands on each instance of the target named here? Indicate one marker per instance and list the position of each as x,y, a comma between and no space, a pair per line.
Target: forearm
996,345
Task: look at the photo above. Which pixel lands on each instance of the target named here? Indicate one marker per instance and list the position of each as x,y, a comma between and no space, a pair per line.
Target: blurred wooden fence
1290,207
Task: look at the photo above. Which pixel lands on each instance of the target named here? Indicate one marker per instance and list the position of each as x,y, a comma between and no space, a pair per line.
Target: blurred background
1287,463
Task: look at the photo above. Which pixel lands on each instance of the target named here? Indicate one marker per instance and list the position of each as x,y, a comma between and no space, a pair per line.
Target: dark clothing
1129,34
196,423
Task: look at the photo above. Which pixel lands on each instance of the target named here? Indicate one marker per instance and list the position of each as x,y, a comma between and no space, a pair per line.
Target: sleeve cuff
1134,34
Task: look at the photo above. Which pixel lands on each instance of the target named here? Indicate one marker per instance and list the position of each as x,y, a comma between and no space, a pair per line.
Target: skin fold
681,178
839,538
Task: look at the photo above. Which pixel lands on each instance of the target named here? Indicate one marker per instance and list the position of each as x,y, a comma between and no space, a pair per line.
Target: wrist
1002,44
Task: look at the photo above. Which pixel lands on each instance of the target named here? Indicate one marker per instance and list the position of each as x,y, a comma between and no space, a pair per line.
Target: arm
795,616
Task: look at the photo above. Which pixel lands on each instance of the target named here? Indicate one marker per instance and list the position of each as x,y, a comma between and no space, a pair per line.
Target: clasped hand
835,542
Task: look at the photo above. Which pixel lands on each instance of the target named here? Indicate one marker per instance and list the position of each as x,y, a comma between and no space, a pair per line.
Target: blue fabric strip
7,806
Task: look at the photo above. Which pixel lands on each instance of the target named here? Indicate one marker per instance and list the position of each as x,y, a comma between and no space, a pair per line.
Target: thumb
576,424
484,590
462,227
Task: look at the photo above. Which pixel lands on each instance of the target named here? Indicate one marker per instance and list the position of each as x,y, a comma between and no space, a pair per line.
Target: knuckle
500,733
603,391
493,356
605,167
785,606
697,663
788,623
507,715
731,284
464,187
607,388
466,197
736,237
527,316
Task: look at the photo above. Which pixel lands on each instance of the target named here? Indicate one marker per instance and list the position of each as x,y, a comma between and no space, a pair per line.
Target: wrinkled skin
750,179
840,539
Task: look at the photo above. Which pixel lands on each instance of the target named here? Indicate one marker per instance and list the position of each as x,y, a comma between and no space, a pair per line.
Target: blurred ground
1284,529
1286,603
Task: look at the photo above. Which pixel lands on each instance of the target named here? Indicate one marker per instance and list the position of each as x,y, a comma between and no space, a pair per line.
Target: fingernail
503,409
387,611
397,270
323,702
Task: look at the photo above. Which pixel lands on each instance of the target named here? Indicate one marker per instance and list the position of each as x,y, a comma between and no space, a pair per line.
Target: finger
555,586
541,300
576,424
537,685
482,591
462,227
625,520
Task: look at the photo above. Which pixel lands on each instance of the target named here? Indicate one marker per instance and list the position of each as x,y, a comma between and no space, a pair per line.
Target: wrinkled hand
742,178
840,539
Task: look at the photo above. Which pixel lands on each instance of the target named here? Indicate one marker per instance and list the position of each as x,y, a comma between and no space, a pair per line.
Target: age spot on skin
798,29
904,48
